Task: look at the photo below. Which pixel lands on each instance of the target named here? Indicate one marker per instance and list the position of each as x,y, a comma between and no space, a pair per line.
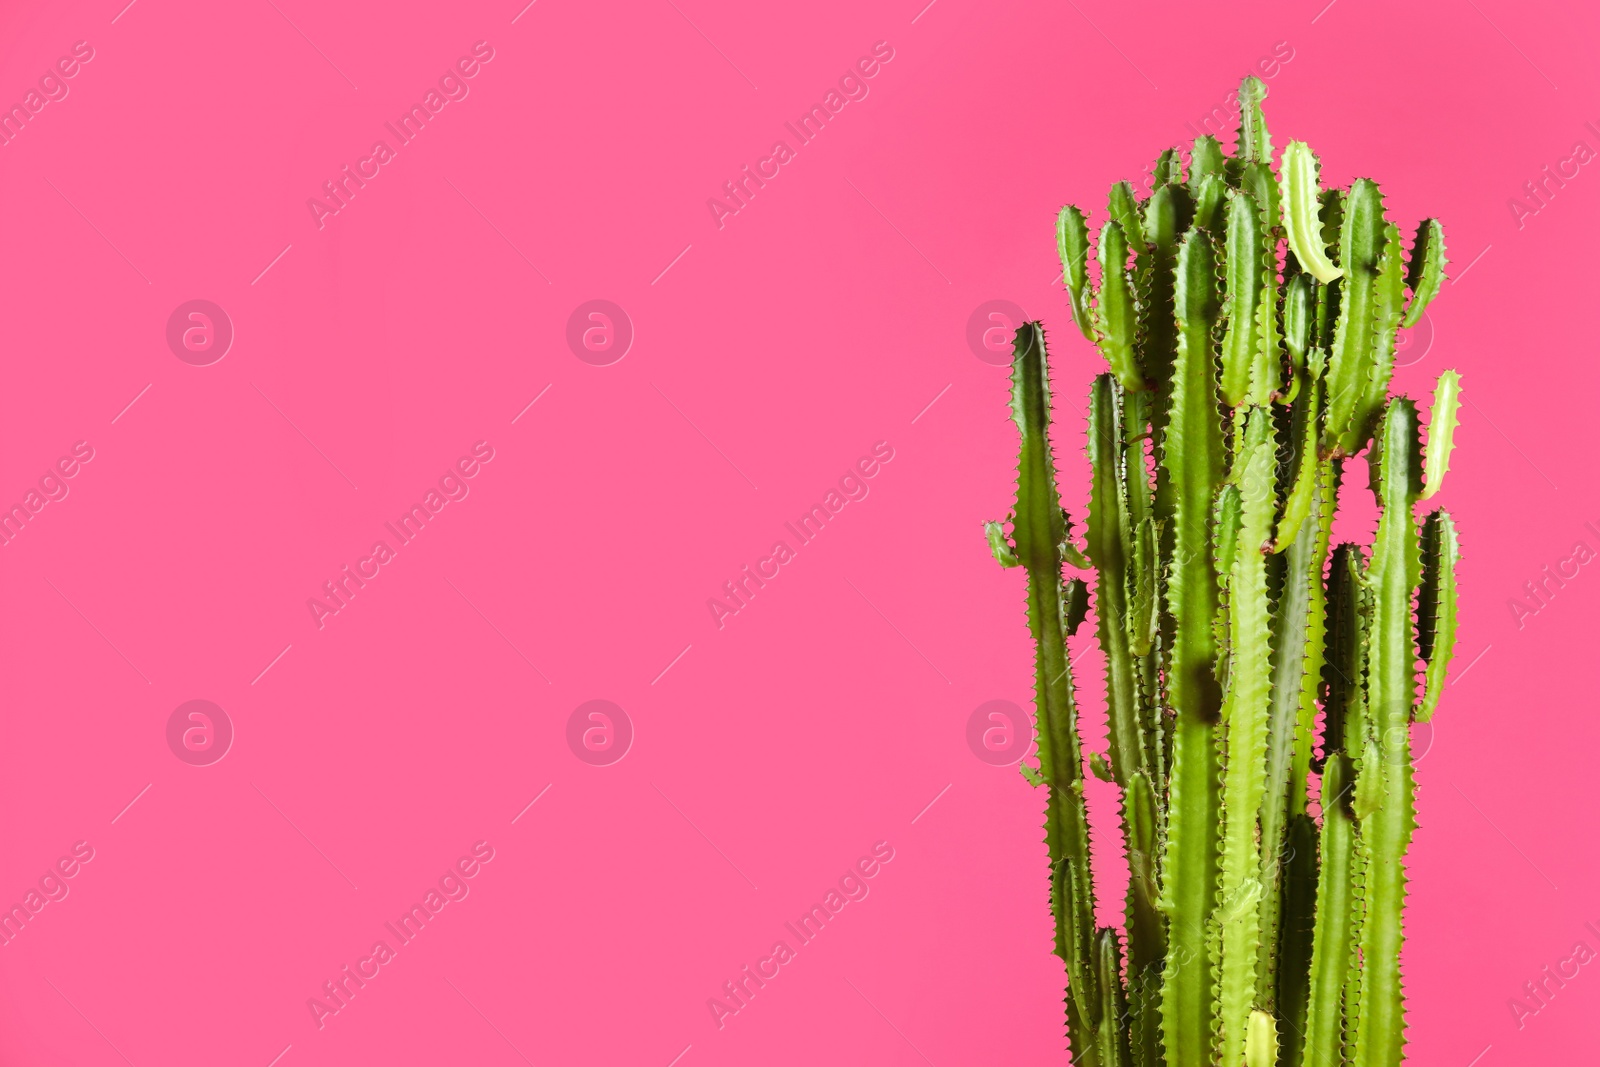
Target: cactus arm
1208,201
1144,579
1425,271
1345,735
1072,244
1388,300
1255,143
1144,616
1300,878
1191,457
1083,998
1298,314
1358,921
999,546
1123,208
1038,530
1266,371
1243,265
1344,664
1350,362
1113,1038
1147,940
1114,315
1327,495
1327,298
1436,606
1205,159
1331,942
1301,211
1168,169
1441,431
1388,824
1166,216
1110,541
1245,714
1292,633
1257,179
1307,467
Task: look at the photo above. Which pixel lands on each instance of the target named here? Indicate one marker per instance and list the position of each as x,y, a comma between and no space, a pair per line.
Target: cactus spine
1248,322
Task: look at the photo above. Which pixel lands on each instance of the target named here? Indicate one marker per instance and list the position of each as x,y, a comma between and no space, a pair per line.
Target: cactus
1248,321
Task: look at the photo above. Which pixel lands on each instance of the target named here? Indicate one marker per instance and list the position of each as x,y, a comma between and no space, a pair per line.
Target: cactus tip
1441,430
1301,211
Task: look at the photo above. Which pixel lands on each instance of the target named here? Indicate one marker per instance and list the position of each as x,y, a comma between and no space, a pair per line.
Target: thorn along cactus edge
1259,682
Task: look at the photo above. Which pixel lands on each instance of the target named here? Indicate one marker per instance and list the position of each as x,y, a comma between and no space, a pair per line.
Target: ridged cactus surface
1260,681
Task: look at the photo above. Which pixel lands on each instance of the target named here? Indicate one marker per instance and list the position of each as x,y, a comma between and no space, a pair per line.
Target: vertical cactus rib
1301,876
1244,274
1344,664
1245,714
1038,530
1113,1039
1292,642
1392,655
1298,317
1361,244
1339,969
1114,315
1208,201
1331,945
1436,606
1123,208
1308,466
1205,159
1110,542
1389,298
1166,216
1325,497
1191,457
1146,929
1266,370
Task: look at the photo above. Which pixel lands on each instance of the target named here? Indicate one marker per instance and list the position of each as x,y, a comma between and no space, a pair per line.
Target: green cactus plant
1248,319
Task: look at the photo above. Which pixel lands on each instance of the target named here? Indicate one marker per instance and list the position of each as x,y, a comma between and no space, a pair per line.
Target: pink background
822,318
